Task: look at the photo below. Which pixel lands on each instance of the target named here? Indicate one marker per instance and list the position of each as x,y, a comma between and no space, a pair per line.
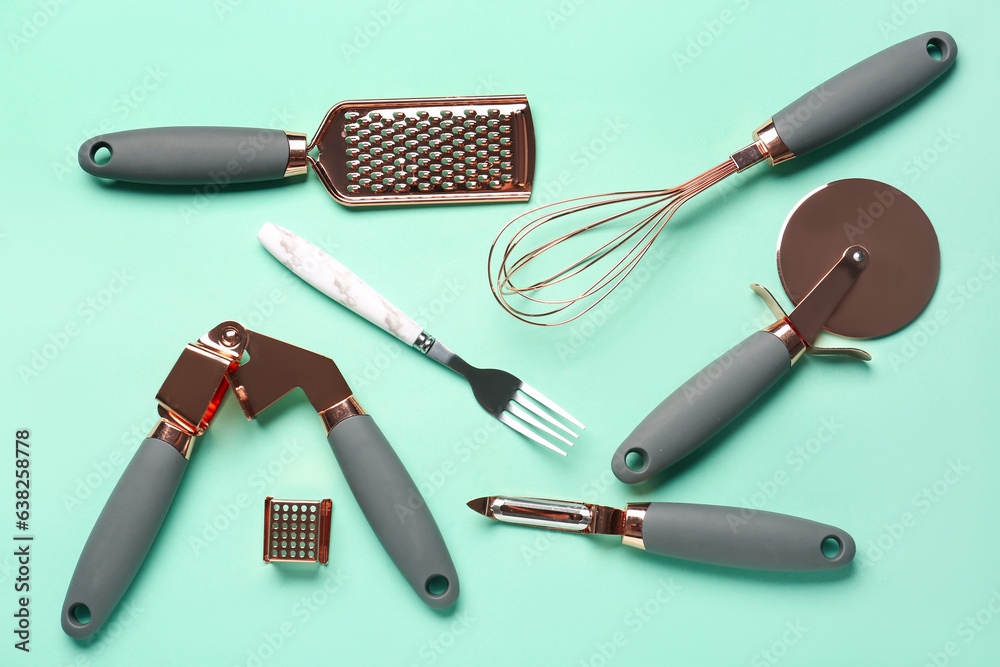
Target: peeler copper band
635,514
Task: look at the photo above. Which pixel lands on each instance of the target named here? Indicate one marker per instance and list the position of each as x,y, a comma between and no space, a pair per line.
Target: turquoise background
161,267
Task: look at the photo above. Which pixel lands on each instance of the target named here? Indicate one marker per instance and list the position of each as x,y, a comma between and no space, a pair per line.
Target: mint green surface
105,284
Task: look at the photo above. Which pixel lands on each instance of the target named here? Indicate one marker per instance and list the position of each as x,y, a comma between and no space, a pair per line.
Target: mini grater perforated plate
427,150
297,531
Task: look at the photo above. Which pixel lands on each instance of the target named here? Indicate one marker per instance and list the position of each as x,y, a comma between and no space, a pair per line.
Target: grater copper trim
426,150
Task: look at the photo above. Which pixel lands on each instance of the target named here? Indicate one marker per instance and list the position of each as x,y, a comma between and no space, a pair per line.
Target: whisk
547,297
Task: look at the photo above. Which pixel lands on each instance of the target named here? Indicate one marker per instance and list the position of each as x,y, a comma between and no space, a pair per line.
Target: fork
504,396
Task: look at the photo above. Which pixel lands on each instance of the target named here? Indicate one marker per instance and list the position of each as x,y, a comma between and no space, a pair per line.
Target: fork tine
526,402
516,410
541,398
524,430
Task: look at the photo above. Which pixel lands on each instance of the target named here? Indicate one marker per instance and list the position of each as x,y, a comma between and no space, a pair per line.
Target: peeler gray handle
189,155
700,407
863,92
395,509
743,538
121,537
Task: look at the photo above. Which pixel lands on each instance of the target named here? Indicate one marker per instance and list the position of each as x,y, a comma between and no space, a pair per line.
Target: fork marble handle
335,280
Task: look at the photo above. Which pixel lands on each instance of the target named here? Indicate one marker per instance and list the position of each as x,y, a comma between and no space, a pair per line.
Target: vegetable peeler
713,534
858,258
188,400
402,151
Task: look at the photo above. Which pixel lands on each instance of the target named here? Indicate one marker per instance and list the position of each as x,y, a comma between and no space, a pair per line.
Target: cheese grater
400,151
297,531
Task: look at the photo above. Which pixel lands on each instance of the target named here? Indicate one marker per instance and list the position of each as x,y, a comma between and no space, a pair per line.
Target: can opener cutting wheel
857,257
188,400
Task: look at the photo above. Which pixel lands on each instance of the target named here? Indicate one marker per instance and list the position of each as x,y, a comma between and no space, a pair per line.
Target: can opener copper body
188,401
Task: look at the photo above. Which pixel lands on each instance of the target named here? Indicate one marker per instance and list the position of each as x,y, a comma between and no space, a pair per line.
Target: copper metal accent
196,385
785,332
815,308
749,156
427,150
635,514
298,152
275,368
297,531
775,148
349,407
905,258
174,435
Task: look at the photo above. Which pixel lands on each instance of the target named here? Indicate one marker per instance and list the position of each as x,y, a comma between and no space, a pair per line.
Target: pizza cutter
857,257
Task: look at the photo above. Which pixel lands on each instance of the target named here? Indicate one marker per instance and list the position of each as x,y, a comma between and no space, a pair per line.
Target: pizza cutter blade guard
857,258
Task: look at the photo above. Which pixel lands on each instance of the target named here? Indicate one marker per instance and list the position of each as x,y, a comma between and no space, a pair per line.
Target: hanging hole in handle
937,49
100,153
831,547
635,460
437,585
79,615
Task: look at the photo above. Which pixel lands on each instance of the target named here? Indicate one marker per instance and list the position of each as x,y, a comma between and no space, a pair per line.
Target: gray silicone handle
863,92
395,509
122,535
189,155
700,407
743,538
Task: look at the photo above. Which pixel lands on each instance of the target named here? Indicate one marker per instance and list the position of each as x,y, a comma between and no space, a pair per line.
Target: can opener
188,401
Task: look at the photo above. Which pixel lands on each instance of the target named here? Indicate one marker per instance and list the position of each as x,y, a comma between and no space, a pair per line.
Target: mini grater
431,150
297,531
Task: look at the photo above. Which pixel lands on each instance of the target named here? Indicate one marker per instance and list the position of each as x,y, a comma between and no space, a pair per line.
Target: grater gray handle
744,538
189,155
124,531
864,92
702,406
395,509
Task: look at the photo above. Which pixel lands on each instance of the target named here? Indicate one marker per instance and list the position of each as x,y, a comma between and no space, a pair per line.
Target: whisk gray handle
701,407
124,531
744,538
189,155
864,92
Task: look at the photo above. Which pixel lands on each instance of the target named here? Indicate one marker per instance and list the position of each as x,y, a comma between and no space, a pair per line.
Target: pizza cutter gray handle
744,538
700,407
189,155
124,531
395,509
864,92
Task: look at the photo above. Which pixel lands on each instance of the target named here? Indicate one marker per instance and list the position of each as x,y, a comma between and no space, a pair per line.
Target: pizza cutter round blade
857,257
903,251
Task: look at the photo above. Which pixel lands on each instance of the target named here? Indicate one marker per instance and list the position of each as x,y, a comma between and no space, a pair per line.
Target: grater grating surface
432,150
297,531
